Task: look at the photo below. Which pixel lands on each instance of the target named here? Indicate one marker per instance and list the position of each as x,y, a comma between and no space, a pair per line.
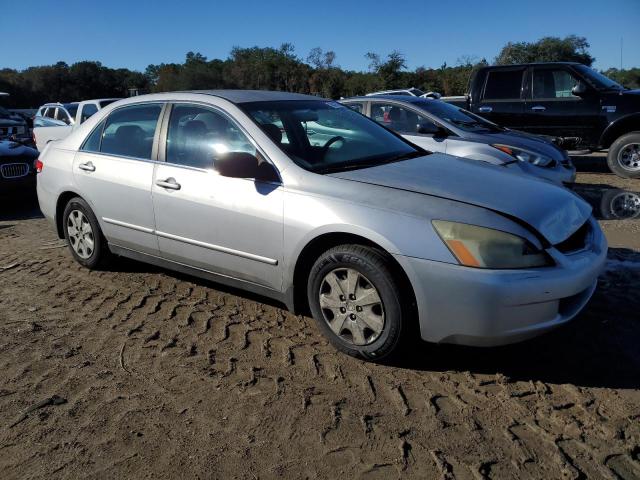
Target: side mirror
579,89
244,165
431,129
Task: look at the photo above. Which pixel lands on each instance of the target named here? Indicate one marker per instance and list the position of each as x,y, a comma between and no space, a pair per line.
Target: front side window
198,135
129,131
503,85
552,83
88,110
358,107
325,136
398,119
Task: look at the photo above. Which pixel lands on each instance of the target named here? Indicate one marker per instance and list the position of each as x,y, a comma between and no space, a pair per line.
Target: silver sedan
441,127
305,201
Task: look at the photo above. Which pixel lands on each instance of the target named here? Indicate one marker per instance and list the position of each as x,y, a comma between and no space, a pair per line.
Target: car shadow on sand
19,206
598,348
590,163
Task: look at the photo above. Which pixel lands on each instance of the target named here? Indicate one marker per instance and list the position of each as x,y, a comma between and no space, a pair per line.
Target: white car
54,121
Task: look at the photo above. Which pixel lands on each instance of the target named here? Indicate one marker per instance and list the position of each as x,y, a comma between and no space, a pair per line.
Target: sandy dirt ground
137,372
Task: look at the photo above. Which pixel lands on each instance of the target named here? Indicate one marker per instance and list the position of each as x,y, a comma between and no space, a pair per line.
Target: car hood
522,140
553,211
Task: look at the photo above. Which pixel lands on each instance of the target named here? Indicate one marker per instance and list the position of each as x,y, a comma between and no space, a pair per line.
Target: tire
87,245
367,330
624,156
618,204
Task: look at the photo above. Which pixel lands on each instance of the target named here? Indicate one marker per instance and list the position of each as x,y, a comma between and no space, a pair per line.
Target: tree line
279,69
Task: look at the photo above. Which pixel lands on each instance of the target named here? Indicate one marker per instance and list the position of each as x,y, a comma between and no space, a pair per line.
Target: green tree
547,49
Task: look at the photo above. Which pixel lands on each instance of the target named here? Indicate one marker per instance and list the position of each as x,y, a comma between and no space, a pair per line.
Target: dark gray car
440,127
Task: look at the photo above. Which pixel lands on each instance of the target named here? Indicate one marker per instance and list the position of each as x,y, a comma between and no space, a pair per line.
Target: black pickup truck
577,106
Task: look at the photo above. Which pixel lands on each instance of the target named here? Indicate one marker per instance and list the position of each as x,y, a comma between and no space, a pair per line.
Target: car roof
530,64
247,96
396,98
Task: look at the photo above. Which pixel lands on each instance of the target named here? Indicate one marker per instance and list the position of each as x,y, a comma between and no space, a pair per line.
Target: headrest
273,131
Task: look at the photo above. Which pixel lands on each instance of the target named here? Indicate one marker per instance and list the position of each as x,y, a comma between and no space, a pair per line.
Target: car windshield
324,136
72,108
462,119
597,79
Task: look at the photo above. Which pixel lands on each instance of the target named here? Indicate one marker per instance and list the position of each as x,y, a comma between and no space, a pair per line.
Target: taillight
39,165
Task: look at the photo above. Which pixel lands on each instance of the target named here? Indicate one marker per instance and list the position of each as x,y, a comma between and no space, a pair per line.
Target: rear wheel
83,234
357,301
624,156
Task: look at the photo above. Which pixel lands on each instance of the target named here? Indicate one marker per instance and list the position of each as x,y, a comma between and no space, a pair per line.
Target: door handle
169,183
87,167
538,108
485,109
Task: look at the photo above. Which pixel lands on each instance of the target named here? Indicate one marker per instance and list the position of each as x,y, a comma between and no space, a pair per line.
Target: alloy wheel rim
625,205
351,306
629,157
80,234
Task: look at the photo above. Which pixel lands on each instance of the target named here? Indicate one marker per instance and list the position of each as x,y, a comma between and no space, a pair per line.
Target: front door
551,108
228,226
113,171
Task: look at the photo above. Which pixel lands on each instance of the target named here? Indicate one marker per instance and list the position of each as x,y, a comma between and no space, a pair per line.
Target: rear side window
503,85
63,116
51,112
92,143
88,110
129,131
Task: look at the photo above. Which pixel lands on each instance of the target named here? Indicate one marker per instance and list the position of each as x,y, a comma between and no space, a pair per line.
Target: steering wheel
332,140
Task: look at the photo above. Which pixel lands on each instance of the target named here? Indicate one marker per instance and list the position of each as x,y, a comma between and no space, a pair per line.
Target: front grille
14,170
577,241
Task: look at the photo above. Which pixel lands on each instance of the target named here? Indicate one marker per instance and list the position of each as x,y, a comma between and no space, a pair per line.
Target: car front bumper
480,307
558,174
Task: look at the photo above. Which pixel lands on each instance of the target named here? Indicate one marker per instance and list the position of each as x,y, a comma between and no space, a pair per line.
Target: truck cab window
548,83
503,85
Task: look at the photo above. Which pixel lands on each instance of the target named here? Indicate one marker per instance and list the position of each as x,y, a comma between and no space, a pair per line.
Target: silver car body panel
477,146
251,234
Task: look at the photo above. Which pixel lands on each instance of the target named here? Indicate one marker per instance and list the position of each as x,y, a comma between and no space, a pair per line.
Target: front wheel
624,156
82,232
357,302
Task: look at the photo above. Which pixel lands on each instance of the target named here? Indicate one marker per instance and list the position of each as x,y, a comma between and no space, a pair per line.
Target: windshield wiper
359,165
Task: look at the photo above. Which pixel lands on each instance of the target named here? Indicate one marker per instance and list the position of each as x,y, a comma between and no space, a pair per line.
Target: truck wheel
82,232
357,302
624,156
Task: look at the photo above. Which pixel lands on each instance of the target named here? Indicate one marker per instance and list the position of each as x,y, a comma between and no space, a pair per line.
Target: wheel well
625,126
321,244
60,206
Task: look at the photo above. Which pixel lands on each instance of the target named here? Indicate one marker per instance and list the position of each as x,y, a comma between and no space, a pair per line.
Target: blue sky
133,34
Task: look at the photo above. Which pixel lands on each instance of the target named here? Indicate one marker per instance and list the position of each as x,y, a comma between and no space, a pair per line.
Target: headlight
488,248
525,155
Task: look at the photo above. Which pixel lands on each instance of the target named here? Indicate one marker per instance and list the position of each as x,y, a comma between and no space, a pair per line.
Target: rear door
406,122
502,100
551,108
114,170
228,226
